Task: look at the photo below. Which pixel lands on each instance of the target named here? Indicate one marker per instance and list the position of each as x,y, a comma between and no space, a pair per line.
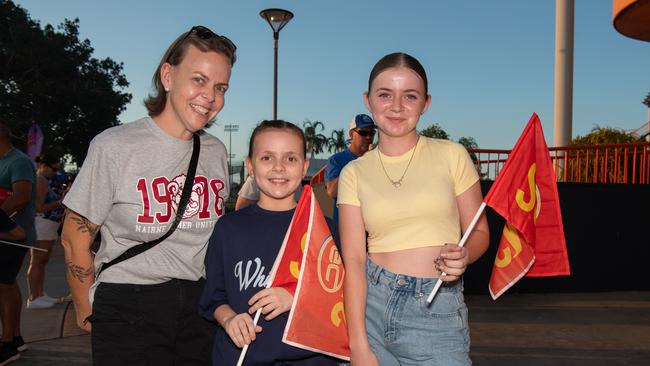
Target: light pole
230,129
277,19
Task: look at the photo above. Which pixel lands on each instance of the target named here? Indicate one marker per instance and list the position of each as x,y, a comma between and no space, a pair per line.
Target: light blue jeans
404,330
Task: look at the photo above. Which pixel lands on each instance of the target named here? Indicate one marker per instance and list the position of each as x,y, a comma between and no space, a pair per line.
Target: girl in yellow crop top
415,197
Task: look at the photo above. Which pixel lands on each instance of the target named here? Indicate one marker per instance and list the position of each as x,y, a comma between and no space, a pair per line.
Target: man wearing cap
17,190
361,132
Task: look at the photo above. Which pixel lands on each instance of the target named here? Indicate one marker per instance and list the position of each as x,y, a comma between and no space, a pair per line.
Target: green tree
646,101
435,131
338,141
583,163
48,76
316,142
469,142
601,136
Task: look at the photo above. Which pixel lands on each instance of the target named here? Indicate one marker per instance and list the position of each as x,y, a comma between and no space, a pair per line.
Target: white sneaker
49,298
41,302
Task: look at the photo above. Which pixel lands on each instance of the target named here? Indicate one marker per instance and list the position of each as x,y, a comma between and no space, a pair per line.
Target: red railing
319,177
622,163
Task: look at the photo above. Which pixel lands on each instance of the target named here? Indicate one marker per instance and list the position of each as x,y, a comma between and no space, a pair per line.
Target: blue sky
489,63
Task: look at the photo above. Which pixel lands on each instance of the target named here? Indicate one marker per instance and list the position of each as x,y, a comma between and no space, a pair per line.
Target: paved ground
595,329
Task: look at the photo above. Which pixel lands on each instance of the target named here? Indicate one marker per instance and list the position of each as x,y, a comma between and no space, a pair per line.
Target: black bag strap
185,196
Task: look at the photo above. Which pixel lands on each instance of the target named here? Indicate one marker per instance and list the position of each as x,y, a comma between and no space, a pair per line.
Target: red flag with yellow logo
525,194
316,320
286,267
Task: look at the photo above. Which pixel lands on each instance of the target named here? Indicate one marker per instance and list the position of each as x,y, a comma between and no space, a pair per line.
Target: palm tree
337,142
316,142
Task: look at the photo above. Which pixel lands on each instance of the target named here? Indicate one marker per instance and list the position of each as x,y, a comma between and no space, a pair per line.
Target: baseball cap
361,121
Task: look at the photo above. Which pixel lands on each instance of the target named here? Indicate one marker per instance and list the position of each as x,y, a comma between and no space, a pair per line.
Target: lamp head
277,18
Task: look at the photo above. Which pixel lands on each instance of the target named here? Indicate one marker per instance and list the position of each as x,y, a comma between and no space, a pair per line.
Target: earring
166,90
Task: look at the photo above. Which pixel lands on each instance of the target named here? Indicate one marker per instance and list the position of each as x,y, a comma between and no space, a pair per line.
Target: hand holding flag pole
242,355
461,244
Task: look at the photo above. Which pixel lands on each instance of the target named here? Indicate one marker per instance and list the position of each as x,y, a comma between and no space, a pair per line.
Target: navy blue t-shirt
240,256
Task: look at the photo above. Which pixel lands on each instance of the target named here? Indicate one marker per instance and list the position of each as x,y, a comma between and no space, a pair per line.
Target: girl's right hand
363,358
241,330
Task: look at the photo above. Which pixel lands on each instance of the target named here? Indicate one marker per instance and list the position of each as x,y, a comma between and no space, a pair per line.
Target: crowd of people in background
165,287
49,210
30,216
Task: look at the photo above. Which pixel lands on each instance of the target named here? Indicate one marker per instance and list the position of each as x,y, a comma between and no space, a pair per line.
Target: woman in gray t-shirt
143,310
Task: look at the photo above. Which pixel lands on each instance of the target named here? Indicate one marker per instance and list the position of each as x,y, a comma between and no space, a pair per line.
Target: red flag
286,267
525,194
307,315
317,321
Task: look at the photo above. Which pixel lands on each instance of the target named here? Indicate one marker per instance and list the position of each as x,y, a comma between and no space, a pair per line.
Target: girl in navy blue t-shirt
242,250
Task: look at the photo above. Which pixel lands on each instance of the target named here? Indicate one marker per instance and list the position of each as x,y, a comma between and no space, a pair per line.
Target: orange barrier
621,163
318,177
618,164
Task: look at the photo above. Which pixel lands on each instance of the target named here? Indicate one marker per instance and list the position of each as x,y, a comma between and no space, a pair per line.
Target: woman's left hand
453,261
273,302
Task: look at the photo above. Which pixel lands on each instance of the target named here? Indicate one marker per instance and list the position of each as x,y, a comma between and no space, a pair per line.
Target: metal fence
617,164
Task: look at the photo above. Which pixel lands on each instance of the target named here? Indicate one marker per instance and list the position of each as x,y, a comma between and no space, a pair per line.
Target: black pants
11,260
150,325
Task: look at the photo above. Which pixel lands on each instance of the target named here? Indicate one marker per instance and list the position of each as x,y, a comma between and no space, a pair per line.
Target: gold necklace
398,183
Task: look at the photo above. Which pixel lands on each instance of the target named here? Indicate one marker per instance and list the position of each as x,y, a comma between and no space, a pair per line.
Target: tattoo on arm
85,226
80,272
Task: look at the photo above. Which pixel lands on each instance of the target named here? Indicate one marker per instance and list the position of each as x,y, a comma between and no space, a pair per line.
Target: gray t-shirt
131,183
249,190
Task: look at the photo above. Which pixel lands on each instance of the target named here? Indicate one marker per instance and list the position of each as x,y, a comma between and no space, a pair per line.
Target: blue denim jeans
404,330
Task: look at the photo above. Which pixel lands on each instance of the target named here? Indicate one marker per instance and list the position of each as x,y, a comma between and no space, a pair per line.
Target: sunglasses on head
365,133
205,34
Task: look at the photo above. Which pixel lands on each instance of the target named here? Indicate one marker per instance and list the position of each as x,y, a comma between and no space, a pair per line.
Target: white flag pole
22,245
461,244
242,355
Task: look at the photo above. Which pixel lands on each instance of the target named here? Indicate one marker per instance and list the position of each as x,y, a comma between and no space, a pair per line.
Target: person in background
143,310
362,133
414,196
17,192
48,217
248,194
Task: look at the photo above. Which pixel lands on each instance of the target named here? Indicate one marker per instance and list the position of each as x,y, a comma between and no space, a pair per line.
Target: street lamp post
230,129
277,19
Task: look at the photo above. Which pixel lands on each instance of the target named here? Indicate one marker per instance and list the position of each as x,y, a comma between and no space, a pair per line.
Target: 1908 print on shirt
161,196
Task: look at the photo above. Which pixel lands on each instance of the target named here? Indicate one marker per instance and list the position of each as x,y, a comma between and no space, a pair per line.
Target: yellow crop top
423,211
